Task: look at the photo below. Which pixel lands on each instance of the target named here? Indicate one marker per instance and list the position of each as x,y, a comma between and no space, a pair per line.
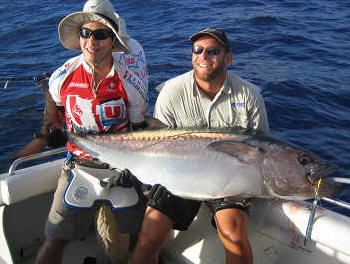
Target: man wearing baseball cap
98,92
207,96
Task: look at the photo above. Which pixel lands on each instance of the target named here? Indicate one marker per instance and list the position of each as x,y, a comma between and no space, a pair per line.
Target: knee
149,244
233,237
155,231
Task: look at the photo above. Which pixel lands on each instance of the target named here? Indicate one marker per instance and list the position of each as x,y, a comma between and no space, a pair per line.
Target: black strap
110,21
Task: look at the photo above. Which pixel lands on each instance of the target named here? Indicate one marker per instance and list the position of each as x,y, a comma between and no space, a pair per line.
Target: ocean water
297,51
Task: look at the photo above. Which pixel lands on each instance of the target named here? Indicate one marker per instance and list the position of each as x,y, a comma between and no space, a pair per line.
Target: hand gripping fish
207,164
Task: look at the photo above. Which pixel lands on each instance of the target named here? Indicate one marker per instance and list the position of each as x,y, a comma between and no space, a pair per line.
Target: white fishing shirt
119,98
238,104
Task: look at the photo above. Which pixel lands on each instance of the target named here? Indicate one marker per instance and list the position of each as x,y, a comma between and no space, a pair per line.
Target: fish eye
305,159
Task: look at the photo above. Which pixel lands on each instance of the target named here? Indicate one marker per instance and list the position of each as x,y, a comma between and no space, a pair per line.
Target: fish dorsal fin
240,150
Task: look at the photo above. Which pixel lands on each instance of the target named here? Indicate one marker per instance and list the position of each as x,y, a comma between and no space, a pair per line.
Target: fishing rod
37,78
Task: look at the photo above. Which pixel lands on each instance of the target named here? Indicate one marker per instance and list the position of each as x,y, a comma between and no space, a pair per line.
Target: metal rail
35,156
338,180
337,202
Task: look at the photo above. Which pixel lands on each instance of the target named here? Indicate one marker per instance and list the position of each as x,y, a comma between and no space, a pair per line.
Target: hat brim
68,30
197,35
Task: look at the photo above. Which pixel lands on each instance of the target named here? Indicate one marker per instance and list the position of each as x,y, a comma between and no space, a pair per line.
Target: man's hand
126,179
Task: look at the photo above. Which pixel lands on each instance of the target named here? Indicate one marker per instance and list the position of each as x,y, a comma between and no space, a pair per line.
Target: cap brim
197,35
68,30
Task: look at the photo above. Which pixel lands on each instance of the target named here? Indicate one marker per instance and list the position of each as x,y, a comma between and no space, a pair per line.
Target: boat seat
29,182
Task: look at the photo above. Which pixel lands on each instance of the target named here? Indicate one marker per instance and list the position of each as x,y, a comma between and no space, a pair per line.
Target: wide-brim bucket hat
101,11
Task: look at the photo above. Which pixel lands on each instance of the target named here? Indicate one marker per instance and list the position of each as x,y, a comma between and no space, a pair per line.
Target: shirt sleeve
135,60
163,110
59,76
137,106
132,66
258,120
55,87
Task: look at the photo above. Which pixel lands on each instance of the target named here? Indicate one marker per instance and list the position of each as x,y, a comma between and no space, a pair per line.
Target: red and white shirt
120,97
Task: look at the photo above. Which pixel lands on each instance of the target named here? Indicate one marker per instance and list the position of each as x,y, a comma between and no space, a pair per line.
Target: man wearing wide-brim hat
98,92
95,11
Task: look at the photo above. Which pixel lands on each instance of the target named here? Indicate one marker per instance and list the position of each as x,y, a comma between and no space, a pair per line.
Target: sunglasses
210,51
99,34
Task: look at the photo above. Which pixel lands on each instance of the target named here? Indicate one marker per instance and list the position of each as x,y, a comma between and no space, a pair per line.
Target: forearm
48,135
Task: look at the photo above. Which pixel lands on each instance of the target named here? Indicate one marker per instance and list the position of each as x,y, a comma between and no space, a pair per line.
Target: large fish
213,163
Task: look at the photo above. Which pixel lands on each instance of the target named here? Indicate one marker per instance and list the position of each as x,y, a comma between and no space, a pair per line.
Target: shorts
229,202
73,224
183,211
226,203
180,211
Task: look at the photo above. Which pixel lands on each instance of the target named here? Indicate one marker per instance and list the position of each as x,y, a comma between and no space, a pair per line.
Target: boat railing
337,202
338,180
35,156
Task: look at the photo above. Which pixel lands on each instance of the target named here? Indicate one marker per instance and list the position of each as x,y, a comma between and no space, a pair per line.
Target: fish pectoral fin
240,150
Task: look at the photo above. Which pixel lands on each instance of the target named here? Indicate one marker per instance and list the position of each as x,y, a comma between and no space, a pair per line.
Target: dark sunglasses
99,34
210,51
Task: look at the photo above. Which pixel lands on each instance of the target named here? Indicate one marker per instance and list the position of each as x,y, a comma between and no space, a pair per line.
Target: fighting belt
88,185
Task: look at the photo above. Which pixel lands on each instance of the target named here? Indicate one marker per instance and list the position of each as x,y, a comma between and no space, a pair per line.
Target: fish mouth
316,172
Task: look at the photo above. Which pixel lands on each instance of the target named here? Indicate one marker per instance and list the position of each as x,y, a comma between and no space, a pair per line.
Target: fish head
291,172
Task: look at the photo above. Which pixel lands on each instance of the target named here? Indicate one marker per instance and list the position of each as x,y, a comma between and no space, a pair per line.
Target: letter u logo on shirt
113,112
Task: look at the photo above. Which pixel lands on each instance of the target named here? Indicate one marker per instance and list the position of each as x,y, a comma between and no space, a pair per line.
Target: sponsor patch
238,105
111,87
60,73
113,112
80,193
136,84
80,112
131,60
78,85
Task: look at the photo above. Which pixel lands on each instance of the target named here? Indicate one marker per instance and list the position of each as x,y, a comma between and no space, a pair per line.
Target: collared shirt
238,104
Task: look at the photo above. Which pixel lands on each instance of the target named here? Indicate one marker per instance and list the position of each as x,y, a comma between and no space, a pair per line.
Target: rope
115,245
